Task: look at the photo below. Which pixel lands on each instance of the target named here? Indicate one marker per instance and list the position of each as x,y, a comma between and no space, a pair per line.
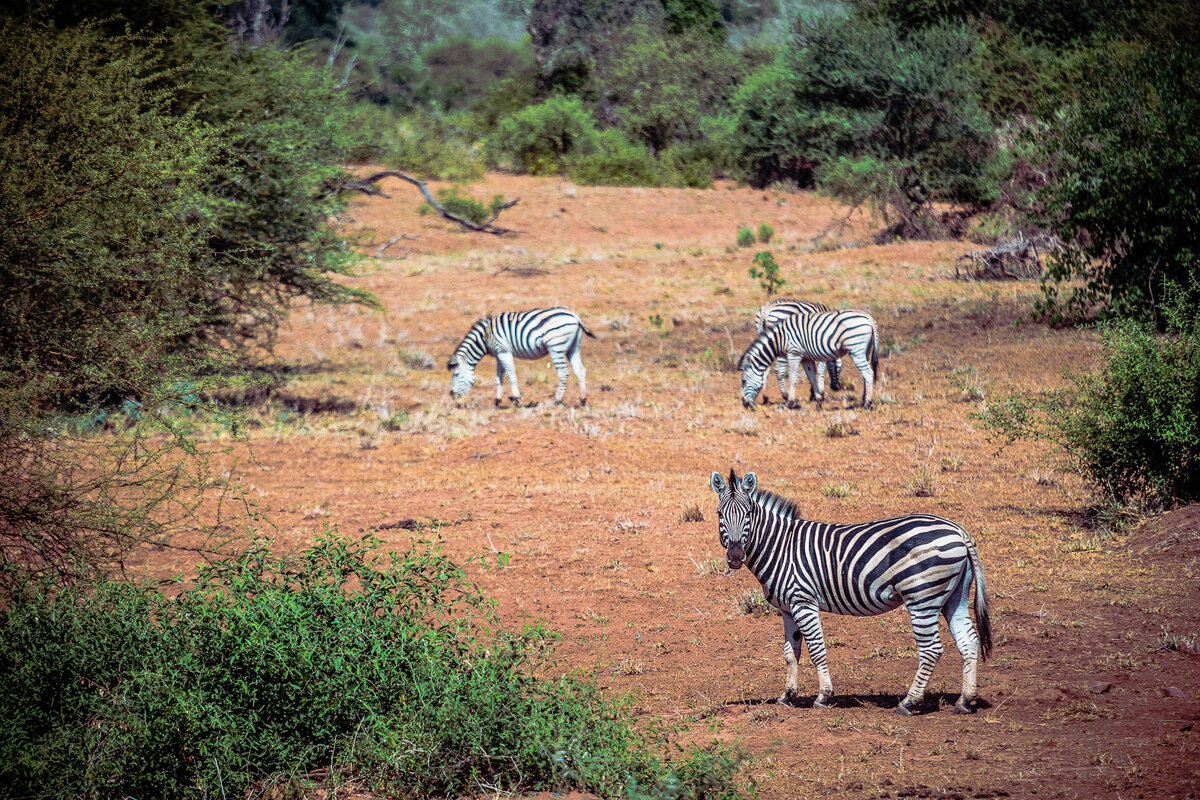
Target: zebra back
772,311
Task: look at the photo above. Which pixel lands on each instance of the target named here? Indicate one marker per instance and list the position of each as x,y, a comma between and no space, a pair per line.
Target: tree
1125,192
875,114
103,232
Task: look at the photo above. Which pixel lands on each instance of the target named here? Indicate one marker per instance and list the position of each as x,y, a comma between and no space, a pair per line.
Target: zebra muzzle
735,555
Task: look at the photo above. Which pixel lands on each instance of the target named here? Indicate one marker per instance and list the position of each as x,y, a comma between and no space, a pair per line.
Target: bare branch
367,186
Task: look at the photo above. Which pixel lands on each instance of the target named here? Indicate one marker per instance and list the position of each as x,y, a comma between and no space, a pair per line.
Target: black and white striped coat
538,332
772,312
807,339
923,562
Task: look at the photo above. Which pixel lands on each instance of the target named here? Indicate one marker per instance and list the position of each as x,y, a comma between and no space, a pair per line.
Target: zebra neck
768,534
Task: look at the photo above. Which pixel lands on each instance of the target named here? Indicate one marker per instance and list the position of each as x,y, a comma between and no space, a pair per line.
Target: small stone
1173,691
1099,687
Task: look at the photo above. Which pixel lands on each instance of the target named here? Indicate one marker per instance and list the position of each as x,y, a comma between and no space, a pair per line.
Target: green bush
612,160
765,233
1132,427
393,671
1123,195
453,200
766,271
745,237
539,139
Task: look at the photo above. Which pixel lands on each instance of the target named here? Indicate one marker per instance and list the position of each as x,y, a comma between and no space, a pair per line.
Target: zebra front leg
499,380
504,364
792,641
835,375
929,650
793,369
781,374
808,622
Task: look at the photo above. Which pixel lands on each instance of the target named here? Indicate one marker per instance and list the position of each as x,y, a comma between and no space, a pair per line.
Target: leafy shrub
766,270
1124,200
1130,428
901,101
538,139
611,159
745,238
392,670
765,232
452,199
432,146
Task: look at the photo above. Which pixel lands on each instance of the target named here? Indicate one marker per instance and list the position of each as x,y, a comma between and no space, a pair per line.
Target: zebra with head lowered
807,339
556,332
781,308
922,562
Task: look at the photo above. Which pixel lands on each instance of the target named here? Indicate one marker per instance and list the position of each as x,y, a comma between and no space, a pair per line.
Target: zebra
556,332
922,562
809,338
781,308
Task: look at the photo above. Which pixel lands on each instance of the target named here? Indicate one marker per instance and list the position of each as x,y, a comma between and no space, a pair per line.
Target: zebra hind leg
966,638
929,650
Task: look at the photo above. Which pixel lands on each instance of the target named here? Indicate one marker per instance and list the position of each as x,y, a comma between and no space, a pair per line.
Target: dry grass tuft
693,513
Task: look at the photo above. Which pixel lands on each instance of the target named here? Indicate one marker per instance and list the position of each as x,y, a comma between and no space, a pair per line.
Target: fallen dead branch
1013,259
367,186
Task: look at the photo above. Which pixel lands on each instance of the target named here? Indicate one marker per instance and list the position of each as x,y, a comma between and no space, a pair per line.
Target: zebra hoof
516,402
788,699
497,402
582,402
963,708
904,710
819,703
793,405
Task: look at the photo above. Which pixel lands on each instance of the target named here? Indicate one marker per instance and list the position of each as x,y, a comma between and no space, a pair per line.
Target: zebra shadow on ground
933,702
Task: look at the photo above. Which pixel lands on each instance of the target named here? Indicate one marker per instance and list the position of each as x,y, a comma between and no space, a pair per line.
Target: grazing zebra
807,339
780,308
556,332
923,562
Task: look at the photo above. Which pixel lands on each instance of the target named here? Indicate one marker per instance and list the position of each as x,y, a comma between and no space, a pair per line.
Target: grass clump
754,603
765,233
745,237
392,671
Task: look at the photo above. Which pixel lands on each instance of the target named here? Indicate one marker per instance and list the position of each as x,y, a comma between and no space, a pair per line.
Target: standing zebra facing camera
920,561
781,308
807,339
538,332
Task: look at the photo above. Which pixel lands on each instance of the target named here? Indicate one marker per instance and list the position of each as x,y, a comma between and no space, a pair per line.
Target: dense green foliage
1126,194
157,223
1132,428
393,670
879,113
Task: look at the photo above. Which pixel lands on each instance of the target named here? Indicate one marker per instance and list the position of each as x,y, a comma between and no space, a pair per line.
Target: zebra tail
584,328
983,619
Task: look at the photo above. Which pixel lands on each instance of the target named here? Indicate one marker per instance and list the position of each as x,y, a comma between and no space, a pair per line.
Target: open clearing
587,505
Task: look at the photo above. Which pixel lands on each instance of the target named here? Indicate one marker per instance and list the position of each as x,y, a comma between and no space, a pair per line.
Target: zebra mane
775,504
760,341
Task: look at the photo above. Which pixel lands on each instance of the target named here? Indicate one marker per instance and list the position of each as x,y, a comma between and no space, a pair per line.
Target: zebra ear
718,483
749,482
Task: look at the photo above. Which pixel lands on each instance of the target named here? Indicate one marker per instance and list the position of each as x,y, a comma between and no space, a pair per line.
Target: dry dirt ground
587,505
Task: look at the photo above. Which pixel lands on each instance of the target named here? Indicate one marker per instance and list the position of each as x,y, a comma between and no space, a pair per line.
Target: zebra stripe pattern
771,313
807,339
535,333
923,562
